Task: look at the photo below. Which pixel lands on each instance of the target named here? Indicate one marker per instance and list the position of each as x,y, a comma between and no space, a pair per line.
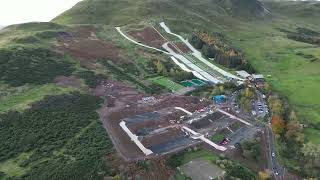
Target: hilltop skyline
33,10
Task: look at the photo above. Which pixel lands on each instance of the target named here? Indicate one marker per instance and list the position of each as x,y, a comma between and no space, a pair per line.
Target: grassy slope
167,83
24,96
264,46
33,35
292,75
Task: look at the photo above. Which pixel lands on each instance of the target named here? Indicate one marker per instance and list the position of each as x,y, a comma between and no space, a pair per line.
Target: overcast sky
22,11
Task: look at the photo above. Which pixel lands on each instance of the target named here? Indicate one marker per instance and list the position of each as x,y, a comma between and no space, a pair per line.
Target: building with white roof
257,76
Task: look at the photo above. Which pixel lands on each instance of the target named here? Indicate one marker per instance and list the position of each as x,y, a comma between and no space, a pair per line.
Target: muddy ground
154,169
71,81
177,47
148,36
83,44
123,101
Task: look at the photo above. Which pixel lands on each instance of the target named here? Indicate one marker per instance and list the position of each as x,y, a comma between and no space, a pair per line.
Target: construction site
143,126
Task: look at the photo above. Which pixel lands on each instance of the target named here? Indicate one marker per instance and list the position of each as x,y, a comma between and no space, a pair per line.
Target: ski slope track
199,72
198,54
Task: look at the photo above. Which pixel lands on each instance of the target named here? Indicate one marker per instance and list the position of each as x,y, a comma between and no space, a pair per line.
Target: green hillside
34,55
263,43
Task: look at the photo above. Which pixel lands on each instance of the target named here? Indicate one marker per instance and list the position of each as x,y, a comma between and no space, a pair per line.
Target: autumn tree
265,175
293,116
277,124
161,69
294,131
276,106
267,88
311,153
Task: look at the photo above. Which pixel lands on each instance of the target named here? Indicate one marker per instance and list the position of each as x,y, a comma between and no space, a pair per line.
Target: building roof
243,74
257,76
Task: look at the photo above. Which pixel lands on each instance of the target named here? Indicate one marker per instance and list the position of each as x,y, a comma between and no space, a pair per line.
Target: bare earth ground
157,170
83,45
181,47
148,36
123,101
70,81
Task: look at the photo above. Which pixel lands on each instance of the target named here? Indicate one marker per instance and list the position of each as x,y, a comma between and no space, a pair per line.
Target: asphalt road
275,166
263,106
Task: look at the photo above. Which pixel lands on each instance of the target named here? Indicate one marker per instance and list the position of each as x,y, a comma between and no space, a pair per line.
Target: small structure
219,99
148,100
258,79
243,74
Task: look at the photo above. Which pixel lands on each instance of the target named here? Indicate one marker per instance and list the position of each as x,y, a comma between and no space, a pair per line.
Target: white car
273,155
277,173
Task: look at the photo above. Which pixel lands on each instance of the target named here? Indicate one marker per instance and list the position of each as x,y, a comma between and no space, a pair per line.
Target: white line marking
184,110
234,117
134,138
198,55
206,140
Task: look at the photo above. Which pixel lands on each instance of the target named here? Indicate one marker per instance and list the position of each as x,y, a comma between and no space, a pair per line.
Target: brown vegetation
83,45
148,36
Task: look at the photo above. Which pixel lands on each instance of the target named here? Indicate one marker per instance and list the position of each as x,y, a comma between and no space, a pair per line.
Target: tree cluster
212,47
304,38
293,146
22,65
122,75
91,79
63,135
170,70
235,170
250,149
245,97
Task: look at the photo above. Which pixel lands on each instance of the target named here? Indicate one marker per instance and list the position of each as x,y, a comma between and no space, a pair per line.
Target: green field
163,81
263,44
25,96
202,154
217,138
293,76
312,135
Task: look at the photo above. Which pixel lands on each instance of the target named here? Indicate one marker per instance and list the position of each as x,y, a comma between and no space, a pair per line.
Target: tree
311,151
311,154
161,69
196,41
294,131
265,175
208,51
293,116
267,88
249,93
276,105
277,124
250,149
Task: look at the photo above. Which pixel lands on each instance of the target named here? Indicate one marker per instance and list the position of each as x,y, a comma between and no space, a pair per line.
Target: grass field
11,167
22,98
312,135
167,83
202,154
293,76
217,138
